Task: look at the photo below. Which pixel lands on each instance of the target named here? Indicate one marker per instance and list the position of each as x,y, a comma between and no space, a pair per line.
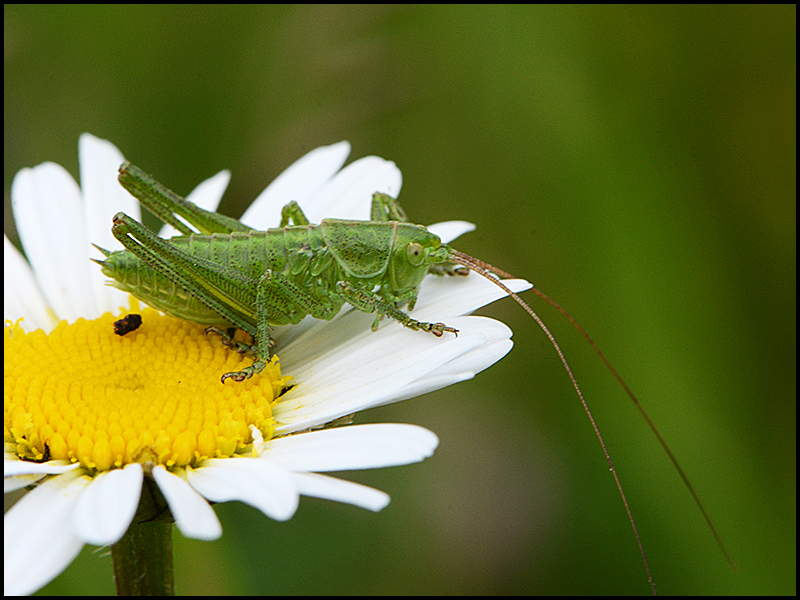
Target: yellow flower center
84,394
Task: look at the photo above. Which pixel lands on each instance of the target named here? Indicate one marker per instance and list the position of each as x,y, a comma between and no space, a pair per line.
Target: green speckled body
223,273
302,254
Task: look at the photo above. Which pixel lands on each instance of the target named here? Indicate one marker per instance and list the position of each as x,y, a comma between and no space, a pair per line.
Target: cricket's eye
414,254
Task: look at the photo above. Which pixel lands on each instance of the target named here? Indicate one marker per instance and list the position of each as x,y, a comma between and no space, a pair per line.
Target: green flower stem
143,557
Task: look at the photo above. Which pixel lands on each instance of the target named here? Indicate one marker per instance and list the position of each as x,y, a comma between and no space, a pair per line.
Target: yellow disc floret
153,395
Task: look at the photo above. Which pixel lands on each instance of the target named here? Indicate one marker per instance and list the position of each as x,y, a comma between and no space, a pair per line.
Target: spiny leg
292,212
165,204
278,299
386,208
369,302
268,306
229,340
450,269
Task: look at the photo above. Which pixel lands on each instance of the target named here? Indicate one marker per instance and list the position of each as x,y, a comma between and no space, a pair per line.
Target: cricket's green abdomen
131,275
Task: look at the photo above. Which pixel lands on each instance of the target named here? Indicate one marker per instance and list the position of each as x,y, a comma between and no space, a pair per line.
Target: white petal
435,381
103,197
300,182
485,341
260,484
207,196
340,490
18,482
354,447
365,373
38,542
441,298
48,215
467,365
21,295
349,194
342,366
14,466
106,508
450,230
193,515
473,362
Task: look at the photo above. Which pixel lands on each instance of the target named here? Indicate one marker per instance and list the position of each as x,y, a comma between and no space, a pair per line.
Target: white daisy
87,414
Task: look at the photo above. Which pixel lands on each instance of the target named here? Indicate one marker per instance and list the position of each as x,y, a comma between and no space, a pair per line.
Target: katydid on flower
224,274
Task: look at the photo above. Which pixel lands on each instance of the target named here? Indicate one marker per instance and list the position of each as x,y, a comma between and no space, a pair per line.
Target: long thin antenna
486,270
650,423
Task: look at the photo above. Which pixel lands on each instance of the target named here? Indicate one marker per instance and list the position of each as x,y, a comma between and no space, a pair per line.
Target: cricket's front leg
450,269
369,302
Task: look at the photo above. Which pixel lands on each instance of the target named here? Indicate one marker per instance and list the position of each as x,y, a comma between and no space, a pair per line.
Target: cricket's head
414,253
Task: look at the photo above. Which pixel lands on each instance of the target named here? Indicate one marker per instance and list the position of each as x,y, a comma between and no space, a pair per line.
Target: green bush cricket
225,274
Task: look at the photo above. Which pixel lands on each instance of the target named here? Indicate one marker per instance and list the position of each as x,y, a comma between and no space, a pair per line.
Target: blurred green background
636,163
